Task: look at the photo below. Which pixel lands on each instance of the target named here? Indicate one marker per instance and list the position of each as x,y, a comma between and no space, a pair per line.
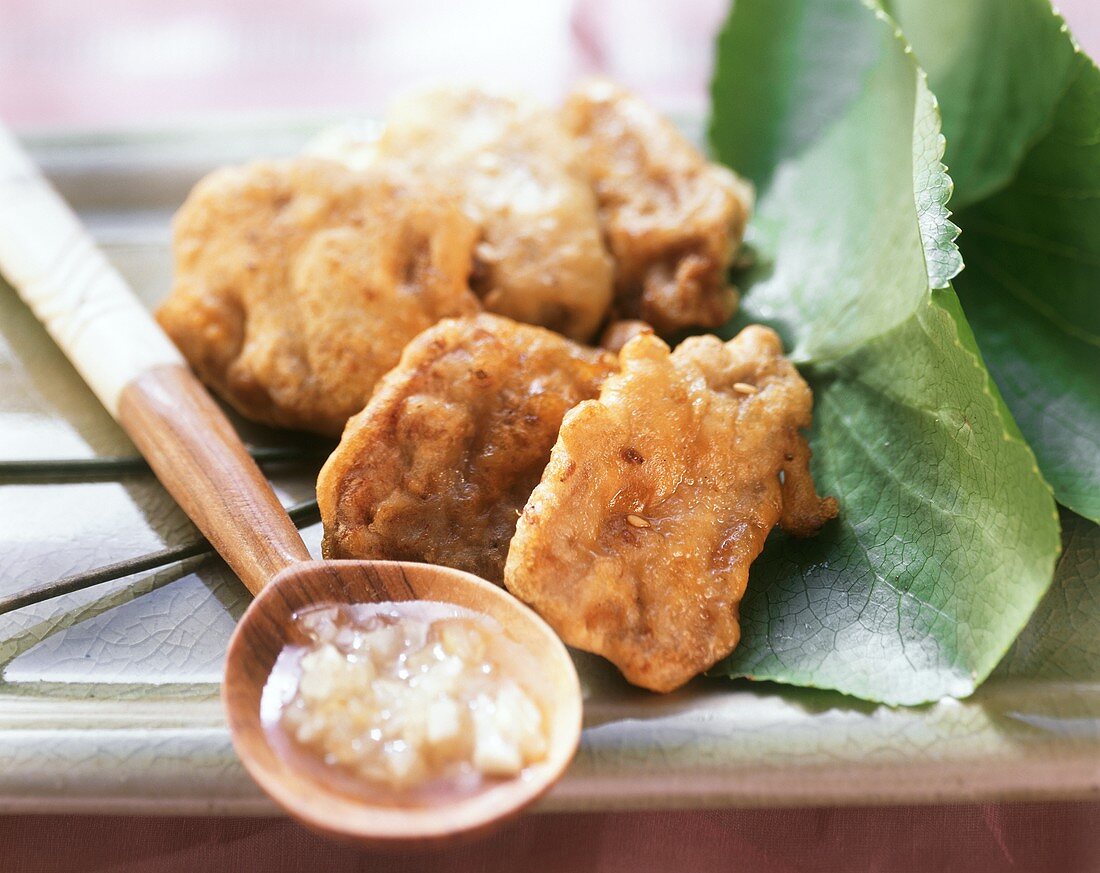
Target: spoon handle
138,375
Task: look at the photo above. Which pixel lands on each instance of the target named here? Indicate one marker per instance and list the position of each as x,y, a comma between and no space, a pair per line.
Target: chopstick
107,467
302,514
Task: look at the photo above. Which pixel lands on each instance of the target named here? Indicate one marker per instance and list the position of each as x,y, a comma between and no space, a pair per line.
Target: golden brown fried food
619,333
541,258
671,219
439,463
298,283
658,496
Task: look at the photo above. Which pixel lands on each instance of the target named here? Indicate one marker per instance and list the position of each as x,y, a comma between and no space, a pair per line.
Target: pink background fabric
133,62
136,63
1048,838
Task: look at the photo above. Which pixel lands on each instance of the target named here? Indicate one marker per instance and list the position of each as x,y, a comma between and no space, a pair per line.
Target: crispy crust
618,333
658,496
541,258
438,465
672,219
297,284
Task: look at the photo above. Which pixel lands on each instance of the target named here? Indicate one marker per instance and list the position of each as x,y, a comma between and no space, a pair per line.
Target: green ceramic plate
109,697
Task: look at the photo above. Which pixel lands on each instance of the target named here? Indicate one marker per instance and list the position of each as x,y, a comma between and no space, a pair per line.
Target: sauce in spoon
408,703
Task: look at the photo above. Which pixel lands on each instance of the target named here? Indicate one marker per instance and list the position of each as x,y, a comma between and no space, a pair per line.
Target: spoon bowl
261,635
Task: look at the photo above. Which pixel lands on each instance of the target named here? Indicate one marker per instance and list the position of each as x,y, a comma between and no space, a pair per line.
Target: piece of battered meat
298,283
541,258
671,219
658,496
619,333
438,465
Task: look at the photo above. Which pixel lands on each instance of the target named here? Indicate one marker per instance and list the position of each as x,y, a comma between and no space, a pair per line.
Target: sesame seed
745,388
637,521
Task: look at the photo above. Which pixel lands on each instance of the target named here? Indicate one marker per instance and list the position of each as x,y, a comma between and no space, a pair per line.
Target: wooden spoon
141,379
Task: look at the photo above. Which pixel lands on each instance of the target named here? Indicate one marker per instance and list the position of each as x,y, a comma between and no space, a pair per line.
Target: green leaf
782,105
817,280
948,535
946,538
997,67
1021,110
1062,640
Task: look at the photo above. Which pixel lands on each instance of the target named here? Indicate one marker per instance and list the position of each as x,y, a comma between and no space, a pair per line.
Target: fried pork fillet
298,283
438,465
671,219
659,494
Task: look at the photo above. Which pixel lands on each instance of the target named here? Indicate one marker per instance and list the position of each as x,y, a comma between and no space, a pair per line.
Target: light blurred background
110,63
131,63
